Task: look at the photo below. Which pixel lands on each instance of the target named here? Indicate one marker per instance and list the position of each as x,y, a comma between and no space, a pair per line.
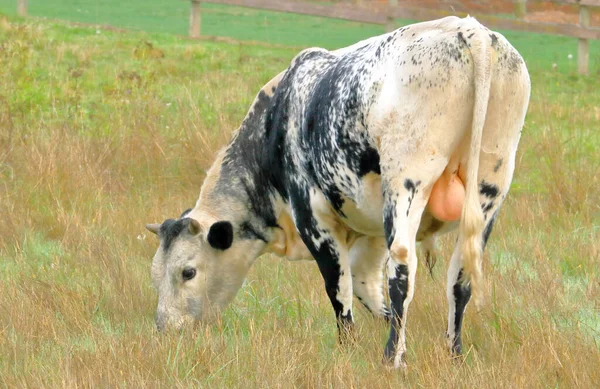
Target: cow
352,157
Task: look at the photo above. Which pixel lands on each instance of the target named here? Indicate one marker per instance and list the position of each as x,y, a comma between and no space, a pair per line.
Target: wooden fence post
583,55
22,8
520,9
391,24
195,19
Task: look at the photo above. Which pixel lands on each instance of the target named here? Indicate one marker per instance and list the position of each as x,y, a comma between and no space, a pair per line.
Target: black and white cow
351,157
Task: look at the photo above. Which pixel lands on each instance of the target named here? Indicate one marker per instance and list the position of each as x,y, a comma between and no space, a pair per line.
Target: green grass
155,16
217,20
102,133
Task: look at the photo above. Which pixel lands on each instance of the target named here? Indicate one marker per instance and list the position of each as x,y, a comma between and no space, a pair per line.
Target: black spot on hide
389,210
488,190
498,165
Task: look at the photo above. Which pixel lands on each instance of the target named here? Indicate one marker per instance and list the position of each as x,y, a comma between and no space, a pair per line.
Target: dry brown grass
86,159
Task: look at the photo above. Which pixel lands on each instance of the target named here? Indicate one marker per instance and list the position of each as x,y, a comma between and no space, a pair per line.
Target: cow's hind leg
459,294
367,258
495,174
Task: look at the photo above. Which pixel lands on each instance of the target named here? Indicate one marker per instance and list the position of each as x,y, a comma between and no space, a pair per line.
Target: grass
102,133
246,24
218,20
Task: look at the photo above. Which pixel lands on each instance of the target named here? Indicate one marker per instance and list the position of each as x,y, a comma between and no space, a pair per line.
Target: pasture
104,131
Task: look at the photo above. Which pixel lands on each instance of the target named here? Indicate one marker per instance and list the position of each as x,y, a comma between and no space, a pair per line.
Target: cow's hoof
385,315
395,363
346,333
401,367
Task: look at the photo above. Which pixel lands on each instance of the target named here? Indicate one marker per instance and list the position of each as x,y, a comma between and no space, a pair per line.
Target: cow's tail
471,228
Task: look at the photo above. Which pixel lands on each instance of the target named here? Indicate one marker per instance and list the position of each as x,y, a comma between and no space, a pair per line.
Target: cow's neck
236,187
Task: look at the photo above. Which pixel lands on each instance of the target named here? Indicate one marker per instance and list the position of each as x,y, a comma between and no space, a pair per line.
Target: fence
387,11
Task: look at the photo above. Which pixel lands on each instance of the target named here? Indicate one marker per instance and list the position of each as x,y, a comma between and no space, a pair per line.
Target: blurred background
558,23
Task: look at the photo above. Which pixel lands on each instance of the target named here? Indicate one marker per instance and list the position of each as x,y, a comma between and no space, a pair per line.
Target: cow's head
198,268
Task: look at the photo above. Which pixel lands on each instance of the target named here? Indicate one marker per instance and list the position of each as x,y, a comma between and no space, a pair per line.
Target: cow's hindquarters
505,115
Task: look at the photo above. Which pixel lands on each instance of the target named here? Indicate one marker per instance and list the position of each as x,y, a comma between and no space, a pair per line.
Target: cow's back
330,110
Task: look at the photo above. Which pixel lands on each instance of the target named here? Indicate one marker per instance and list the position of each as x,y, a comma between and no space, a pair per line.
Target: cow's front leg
335,269
325,238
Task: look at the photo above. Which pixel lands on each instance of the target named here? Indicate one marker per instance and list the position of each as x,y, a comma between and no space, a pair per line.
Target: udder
447,197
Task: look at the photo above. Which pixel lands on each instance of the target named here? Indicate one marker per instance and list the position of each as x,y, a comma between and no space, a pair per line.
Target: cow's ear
220,235
194,227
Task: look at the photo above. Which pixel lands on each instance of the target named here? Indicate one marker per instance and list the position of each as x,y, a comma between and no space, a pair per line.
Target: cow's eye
188,273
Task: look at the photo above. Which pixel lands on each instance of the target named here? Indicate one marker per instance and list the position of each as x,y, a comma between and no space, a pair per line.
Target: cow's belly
365,213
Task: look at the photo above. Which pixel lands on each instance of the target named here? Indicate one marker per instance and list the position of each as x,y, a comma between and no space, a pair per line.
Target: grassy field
102,133
173,17
158,16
